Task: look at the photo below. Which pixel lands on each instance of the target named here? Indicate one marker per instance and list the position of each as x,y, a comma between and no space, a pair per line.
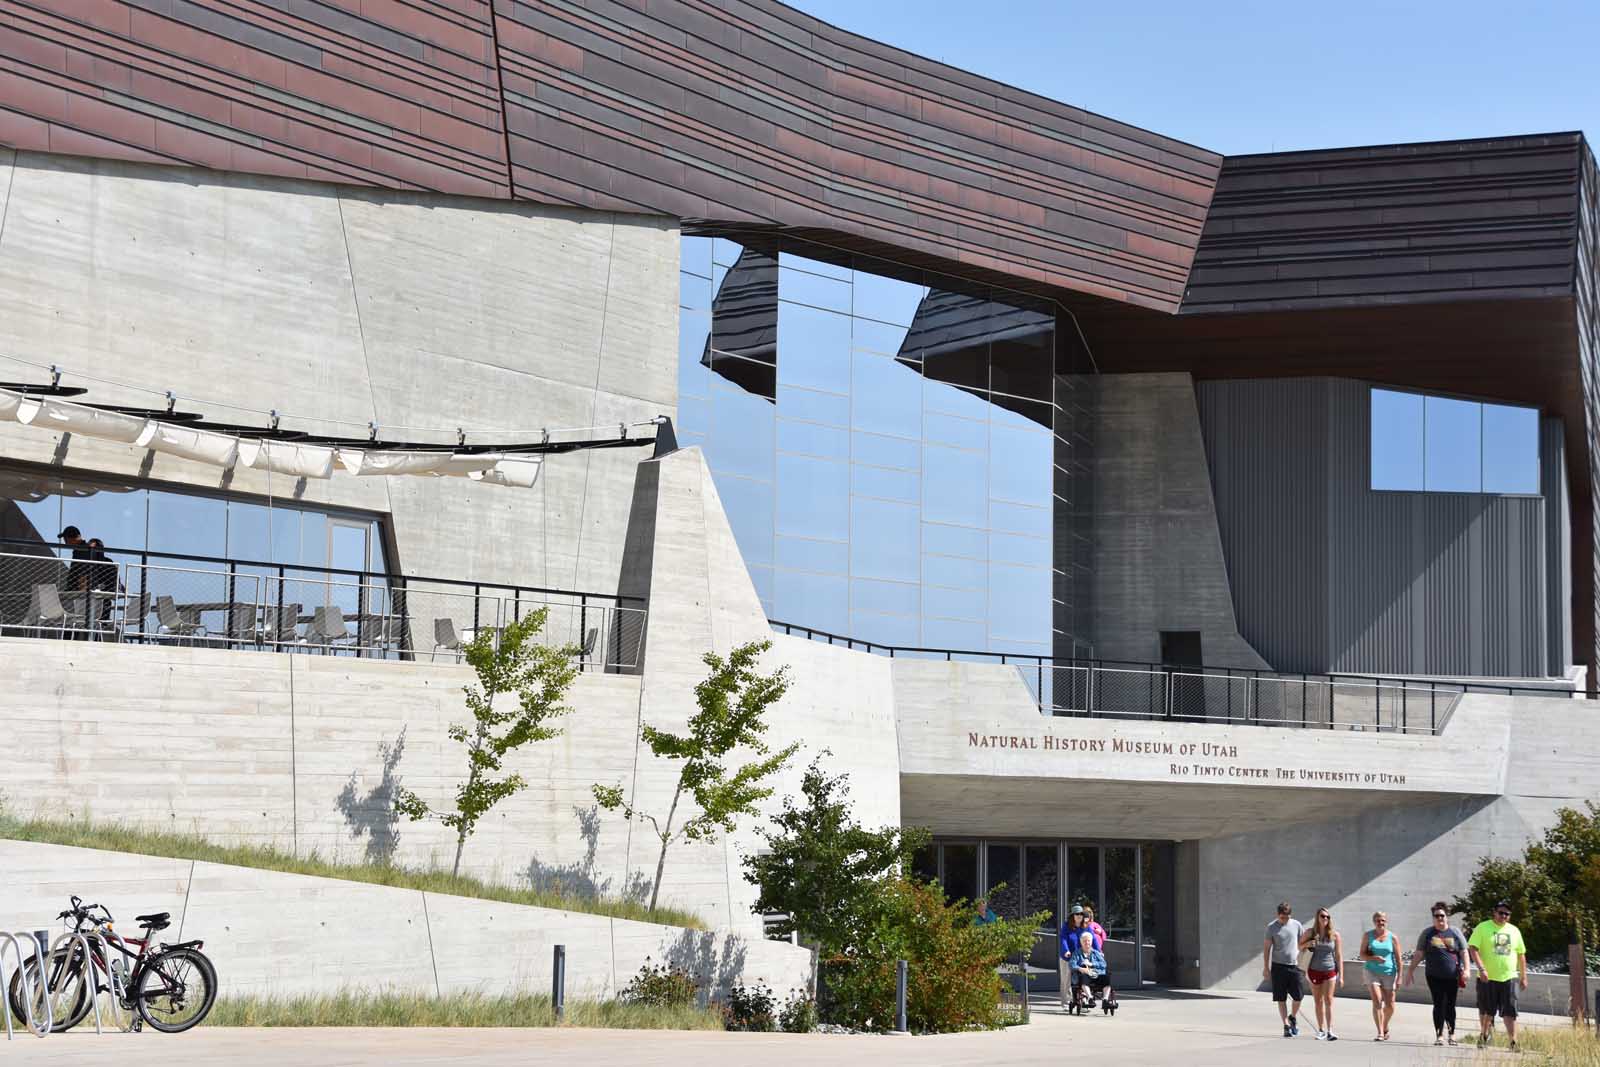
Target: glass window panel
1396,440
688,439
1020,466
808,438
954,541
1453,448
694,292
952,633
348,544
830,408
803,287
966,367
955,571
745,318
743,440
1019,603
285,536
824,557
886,484
886,395
1019,518
813,498
925,863
953,400
1083,876
761,578
884,598
249,531
881,337
815,346
1043,882
886,299
818,600
189,525
694,377
814,266
1022,414
725,252
953,430
694,255
747,375
880,451
955,604
901,631
1121,913
749,505
26,519
719,274
116,515
955,486
961,872
883,539
1023,364
313,538
1510,449
1005,880
694,414
1016,548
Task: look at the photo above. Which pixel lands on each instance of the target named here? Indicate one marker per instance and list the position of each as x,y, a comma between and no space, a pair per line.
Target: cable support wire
274,415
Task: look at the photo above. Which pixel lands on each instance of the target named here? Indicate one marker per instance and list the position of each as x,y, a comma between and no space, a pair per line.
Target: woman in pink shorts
1324,969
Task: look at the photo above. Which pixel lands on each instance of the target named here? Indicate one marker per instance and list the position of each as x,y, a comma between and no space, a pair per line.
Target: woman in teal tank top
1381,954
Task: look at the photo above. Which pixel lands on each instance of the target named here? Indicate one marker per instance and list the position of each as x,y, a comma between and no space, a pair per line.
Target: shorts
1286,983
1497,998
1318,977
1384,982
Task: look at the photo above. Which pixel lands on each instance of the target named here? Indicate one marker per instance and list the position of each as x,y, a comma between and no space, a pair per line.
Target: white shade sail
287,457
63,416
517,473
10,403
202,446
393,462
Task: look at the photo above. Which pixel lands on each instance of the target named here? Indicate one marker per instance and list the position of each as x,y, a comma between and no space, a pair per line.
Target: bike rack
69,937
117,989
25,982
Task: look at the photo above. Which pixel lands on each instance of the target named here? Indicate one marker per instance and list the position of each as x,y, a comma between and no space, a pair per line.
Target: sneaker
1321,1036
1332,1036
1451,1041
1294,1026
1513,1047
1288,1031
1438,1040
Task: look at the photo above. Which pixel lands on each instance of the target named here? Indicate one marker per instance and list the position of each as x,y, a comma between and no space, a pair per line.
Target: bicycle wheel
69,999
176,990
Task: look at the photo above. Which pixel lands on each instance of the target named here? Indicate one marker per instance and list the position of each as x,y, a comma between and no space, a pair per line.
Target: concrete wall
1331,576
1156,555
1397,859
284,934
354,305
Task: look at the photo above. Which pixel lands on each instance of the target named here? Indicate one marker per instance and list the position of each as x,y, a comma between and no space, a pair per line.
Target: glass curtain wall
886,446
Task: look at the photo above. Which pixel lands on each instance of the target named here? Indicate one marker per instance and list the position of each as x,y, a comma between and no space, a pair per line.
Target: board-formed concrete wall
271,933
355,305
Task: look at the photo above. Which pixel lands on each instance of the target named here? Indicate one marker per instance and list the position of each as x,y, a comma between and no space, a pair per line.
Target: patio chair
280,626
243,628
134,613
445,637
173,623
327,628
46,611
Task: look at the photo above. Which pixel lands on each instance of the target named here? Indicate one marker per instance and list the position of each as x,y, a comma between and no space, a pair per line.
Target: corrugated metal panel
1260,434
1329,575
1558,544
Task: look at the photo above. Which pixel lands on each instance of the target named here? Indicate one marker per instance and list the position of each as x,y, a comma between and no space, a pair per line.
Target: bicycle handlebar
85,912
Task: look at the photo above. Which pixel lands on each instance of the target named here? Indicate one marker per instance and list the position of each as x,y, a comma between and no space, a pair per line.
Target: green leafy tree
733,701
1554,890
821,867
516,667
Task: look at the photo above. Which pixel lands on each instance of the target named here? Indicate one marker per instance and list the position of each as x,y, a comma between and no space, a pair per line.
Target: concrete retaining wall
274,933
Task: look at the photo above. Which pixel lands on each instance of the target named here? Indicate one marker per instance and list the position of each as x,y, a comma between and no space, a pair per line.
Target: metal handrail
1035,660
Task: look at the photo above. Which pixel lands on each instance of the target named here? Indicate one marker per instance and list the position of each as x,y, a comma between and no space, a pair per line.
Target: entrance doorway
1122,881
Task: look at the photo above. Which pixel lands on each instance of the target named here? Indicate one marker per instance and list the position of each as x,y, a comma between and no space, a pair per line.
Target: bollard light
900,996
558,982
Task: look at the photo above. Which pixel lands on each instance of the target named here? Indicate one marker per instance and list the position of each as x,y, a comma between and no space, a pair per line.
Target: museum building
1139,519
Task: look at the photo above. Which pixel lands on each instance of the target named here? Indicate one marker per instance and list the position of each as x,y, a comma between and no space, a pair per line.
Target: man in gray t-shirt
1280,963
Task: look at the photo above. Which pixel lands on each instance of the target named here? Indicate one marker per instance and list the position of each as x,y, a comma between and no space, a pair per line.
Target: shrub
952,982
752,1009
660,987
799,1015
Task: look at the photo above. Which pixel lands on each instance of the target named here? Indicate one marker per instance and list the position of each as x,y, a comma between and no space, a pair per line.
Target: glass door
1042,892
350,549
1121,914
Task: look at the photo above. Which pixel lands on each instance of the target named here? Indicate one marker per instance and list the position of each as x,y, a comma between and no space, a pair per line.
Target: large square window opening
1436,444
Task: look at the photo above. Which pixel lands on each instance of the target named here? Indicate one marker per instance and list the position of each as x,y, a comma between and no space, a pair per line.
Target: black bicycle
172,987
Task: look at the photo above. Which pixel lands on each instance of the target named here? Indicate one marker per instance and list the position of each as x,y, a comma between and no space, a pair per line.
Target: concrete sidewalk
1178,1029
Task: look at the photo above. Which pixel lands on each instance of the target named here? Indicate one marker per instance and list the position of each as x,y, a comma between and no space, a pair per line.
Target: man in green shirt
1502,961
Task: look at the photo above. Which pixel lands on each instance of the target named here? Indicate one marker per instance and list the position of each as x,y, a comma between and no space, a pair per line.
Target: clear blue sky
1257,77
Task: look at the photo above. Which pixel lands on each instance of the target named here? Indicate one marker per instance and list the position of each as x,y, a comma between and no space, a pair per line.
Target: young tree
538,676
822,867
733,700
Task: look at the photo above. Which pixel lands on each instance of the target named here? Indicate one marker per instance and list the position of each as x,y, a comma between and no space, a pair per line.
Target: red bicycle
171,988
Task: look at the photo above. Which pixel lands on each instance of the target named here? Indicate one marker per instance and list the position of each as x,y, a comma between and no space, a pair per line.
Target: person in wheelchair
1091,979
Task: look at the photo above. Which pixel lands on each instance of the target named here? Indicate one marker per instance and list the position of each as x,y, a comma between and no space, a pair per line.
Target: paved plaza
1177,1029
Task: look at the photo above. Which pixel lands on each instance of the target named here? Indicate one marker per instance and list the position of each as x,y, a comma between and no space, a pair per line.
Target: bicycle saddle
159,921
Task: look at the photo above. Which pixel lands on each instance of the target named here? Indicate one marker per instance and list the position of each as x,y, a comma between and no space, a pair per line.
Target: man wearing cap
76,580
1502,961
